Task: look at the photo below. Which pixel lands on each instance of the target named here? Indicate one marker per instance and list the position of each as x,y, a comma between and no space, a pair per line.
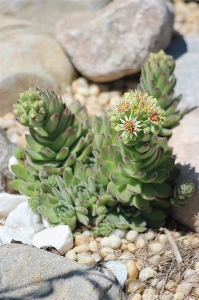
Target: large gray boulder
30,57
185,143
46,13
114,41
29,273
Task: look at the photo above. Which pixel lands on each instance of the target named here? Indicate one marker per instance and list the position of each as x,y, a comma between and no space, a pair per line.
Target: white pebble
71,255
160,284
80,98
94,90
176,234
149,294
86,260
197,266
82,255
12,161
96,256
132,269
8,202
93,246
131,235
123,247
110,257
186,287
81,248
137,296
103,98
59,237
105,242
131,247
24,221
150,235
140,243
155,247
115,241
81,239
125,257
188,272
14,138
6,123
105,251
133,285
179,296
167,296
82,90
86,232
121,233
163,239
146,273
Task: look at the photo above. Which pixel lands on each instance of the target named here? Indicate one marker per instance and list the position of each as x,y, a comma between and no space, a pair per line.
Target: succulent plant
182,191
105,228
59,136
158,80
134,164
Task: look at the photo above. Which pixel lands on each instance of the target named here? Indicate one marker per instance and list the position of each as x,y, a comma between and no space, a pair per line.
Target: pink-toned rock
114,41
185,143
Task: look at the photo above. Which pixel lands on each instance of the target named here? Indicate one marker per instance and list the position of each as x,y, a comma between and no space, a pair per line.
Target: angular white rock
59,237
12,161
146,273
24,221
8,202
118,269
7,234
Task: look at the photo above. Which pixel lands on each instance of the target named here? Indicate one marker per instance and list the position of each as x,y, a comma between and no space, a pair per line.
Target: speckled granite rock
29,273
185,143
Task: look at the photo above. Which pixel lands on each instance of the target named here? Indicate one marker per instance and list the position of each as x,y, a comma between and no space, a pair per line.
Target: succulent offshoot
182,191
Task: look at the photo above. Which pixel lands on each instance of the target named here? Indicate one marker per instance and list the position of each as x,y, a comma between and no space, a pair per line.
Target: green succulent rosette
158,80
58,137
182,191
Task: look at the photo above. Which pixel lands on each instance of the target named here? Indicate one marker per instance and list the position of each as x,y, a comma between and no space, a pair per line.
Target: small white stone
146,273
81,248
105,242
176,234
132,269
133,285
188,272
179,296
24,221
59,237
82,255
7,234
160,284
131,247
14,138
115,241
150,235
154,282
70,254
124,241
125,257
86,232
163,239
155,247
8,202
167,296
121,233
197,266
86,260
137,296
123,247
12,161
81,239
186,287
80,98
103,98
140,243
93,246
105,251
118,269
96,256
82,90
149,294
131,235
94,90
110,257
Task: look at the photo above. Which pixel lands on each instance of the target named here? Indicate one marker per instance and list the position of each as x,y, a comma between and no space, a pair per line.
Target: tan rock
81,240
132,269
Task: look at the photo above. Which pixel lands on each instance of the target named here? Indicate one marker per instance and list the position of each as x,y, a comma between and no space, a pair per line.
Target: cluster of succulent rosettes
137,116
72,197
58,137
105,228
181,192
158,80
